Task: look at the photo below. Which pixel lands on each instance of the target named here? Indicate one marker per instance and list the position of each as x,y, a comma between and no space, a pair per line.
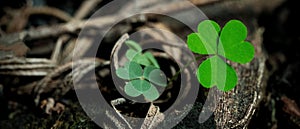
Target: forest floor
279,108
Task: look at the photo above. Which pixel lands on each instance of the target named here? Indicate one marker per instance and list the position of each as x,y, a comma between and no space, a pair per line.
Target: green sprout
226,44
141,81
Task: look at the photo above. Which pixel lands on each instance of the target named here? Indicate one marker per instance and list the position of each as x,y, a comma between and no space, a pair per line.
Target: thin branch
70,27
57,50
20,17
86,8
26,67
48,11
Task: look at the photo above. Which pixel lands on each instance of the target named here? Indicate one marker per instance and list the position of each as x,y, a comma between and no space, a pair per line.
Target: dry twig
26,66
20,17
61,77
290,106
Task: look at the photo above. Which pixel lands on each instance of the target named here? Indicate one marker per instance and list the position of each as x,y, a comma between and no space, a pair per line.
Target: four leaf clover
227,43
141,81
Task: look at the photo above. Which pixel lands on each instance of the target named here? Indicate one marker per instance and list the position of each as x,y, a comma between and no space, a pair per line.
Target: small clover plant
228,43
141,81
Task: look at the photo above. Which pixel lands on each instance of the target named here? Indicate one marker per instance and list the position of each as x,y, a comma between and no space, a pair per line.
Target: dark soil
281,40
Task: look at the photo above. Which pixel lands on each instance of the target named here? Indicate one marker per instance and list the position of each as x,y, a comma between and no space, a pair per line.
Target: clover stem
184,67
218,42
222,58
140,78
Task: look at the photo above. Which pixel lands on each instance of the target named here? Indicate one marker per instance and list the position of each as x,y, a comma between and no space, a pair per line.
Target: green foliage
135,54
227,43
131,70
141,81
133,46
215,72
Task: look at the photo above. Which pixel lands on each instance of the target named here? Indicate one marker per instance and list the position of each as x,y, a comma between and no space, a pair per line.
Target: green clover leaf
133,45
130,54
204,42
151,59
140,85
230,45
130,71
155,76
215,72
135,54
141,59
152,94
142,81
131,91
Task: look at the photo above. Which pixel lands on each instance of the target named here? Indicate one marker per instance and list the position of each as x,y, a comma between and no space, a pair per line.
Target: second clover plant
142,73
226,44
